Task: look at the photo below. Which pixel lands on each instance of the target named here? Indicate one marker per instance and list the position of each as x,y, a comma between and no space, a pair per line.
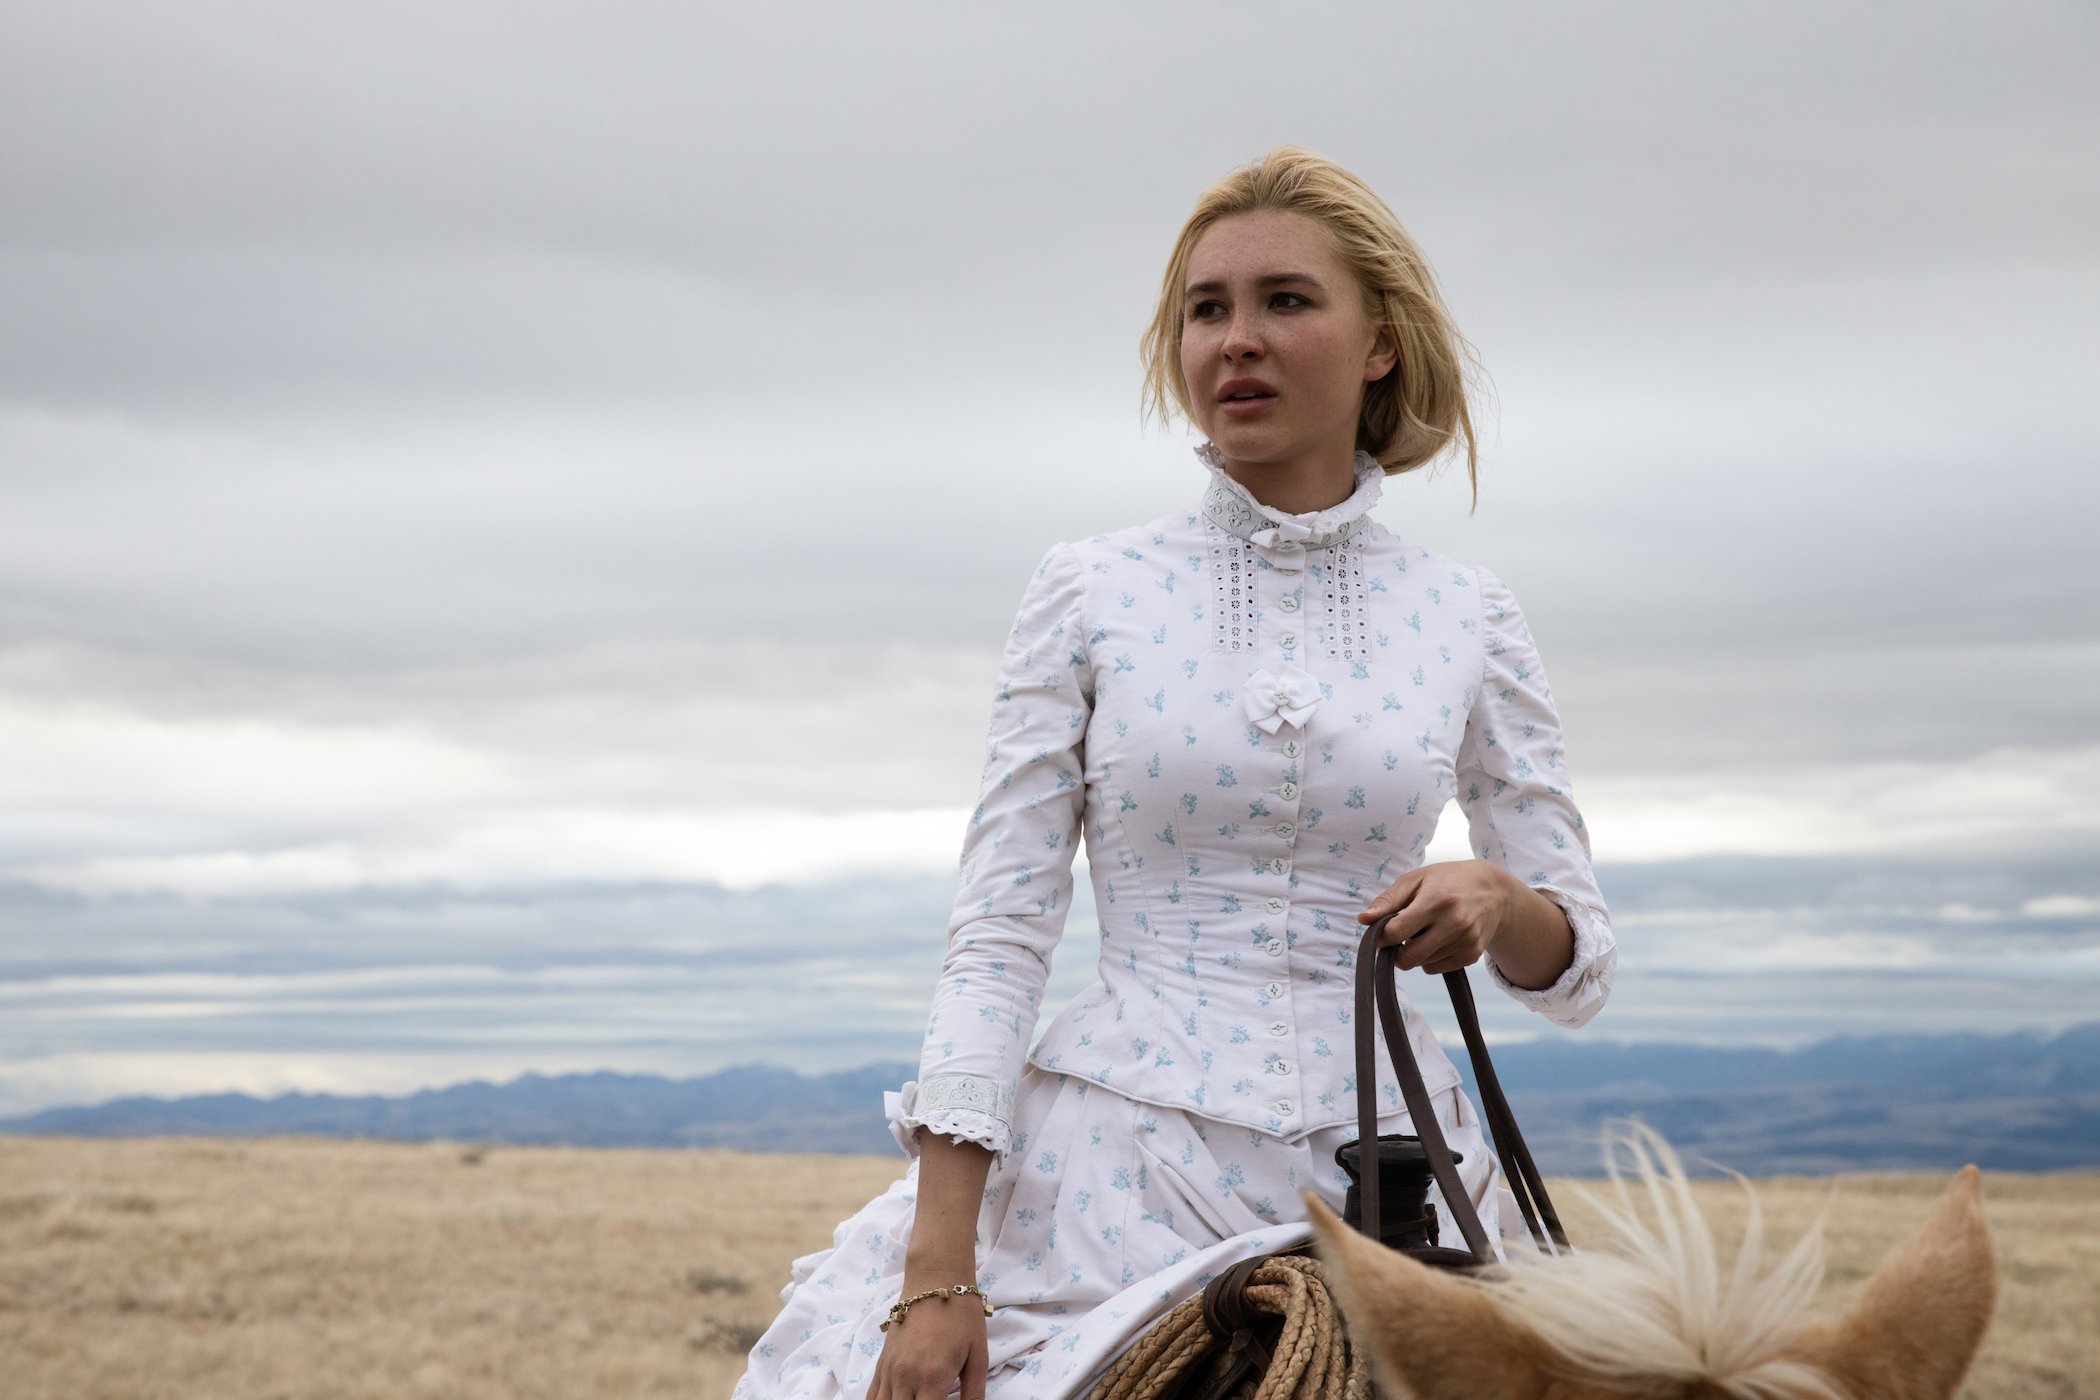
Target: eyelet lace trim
1232,591
941,1092
1341,596
965,1107
1229,505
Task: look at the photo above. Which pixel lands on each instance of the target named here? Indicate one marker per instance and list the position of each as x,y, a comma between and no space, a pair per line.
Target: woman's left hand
1452,912
1449,913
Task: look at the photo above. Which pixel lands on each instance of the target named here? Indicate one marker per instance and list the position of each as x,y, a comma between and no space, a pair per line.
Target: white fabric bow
1280,698
1281,531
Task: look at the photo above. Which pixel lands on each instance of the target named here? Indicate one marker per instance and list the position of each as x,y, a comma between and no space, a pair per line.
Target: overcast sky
482,488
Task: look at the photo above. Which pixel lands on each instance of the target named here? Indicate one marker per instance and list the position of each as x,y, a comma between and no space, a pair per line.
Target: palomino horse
1650,1312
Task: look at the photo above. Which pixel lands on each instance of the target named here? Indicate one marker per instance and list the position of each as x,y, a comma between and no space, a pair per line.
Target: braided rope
1312,1357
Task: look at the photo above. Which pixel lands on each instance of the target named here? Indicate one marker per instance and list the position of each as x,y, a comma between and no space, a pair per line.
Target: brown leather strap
1231,1318
1375,987
1378,1003
1518,1169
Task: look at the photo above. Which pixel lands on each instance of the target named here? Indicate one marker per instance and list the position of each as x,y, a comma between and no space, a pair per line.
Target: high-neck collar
1232,507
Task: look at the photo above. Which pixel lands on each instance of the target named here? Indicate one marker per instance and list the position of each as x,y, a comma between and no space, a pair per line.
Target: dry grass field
239,1270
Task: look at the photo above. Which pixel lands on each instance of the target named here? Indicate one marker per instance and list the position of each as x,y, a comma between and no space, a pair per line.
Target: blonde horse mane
1653,1301
1652,1309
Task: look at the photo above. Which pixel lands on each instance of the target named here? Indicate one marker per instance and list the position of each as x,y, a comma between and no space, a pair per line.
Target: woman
1254,713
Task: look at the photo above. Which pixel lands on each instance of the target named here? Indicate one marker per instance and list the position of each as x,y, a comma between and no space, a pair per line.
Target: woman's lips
1262,393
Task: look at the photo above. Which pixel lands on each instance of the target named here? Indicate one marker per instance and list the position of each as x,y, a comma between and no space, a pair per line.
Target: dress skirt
1106,1214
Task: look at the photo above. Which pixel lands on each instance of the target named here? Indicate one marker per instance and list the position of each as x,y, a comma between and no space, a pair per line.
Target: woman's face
1276,346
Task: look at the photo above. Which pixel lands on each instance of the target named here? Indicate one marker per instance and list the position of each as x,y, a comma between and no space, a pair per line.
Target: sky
509,512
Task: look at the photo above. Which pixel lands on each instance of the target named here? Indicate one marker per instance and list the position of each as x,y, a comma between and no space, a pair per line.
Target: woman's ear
1384,355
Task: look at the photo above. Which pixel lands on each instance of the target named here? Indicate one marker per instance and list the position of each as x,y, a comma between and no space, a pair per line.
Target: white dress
1254,719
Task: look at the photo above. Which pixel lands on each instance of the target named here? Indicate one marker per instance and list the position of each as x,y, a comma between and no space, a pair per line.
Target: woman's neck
1296,488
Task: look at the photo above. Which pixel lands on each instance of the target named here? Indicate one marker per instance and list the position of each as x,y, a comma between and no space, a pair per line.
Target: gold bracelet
953,1290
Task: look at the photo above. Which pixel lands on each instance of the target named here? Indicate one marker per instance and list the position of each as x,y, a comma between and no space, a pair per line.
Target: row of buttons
1287,561
1292,748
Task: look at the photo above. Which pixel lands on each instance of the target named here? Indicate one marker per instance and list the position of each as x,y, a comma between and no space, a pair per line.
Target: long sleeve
1520,807
1016,877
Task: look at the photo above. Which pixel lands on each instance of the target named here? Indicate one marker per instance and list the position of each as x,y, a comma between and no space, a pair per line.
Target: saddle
1267,1328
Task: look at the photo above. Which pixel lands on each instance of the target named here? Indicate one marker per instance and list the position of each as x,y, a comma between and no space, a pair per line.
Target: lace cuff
967,1107
1582,989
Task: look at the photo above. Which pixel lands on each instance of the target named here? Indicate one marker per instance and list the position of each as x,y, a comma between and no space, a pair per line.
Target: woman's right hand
938,1341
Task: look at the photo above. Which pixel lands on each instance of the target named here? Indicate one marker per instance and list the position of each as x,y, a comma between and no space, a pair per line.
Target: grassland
239,1270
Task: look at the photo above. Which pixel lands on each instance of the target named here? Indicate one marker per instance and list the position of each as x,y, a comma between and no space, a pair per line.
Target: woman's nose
1240,340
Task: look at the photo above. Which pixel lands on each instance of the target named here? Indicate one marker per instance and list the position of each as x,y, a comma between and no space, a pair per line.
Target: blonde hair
1650,1302
1418,409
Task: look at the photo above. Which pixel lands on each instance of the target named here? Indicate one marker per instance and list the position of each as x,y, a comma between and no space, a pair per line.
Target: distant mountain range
1856,1103
755,1107
2010,1102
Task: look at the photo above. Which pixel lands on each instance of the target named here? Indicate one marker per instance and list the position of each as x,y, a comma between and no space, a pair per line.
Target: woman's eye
1288,299
1204,310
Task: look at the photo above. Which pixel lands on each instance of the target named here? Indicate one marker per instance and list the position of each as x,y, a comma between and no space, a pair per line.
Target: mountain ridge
2018,1101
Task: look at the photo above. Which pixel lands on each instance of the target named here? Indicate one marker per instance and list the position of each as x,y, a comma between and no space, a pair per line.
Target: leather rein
1378,1006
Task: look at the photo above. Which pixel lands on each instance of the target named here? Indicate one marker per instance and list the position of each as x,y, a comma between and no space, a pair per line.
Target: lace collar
1233,508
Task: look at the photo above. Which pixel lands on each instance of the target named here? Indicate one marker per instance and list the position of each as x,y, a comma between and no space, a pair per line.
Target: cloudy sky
508,511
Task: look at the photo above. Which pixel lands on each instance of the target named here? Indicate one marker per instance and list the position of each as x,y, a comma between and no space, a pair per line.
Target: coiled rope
1186,1354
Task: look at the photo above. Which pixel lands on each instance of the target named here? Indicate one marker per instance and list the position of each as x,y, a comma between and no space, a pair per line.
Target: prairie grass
245,1269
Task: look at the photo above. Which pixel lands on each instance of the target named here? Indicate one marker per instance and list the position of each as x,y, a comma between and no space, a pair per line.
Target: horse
1647,1310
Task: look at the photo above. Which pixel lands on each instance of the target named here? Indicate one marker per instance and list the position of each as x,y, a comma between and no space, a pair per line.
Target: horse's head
1650,1311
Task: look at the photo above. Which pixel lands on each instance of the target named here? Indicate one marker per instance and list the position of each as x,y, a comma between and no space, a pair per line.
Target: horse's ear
1916,1324
1429,1337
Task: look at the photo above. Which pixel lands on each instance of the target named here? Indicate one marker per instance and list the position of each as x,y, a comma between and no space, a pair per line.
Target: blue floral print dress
1253,720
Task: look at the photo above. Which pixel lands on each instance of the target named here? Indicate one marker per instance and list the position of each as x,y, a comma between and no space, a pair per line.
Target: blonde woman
1253,712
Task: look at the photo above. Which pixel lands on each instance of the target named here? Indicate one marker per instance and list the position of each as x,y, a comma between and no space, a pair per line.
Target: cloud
1777,949
509,535
366,996
1999,800
210,806
736,850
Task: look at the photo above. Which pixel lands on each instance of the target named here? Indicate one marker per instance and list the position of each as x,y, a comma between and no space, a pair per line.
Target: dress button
1288,640
1285,1108
1292,748
1286,546
1282,698
1274,947
1273,990
1273,906
1285,829
1280,1066
1279,866
1279,1028
1288,602
1288,791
